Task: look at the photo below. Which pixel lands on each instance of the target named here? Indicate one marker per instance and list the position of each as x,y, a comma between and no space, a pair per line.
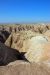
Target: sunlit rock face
20,40
39,49
36,45
32,44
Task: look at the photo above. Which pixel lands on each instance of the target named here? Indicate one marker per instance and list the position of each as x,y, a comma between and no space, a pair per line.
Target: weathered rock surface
23,27
24,68
35,41
31,42
38,49
20,40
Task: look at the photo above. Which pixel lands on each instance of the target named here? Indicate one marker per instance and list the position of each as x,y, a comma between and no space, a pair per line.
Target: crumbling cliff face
34,41
31,41
19,40
25,30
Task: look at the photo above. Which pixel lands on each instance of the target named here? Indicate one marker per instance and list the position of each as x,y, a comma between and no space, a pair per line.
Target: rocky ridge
34,40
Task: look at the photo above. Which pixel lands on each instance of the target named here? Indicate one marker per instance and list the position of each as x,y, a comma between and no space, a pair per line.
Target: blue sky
24,11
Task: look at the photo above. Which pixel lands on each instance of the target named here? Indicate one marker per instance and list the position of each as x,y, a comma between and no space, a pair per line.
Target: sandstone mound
24,68
39,49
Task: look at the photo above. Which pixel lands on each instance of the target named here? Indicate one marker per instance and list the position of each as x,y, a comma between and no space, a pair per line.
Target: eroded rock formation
34,41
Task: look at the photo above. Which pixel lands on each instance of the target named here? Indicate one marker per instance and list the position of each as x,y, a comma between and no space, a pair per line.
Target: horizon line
25,22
